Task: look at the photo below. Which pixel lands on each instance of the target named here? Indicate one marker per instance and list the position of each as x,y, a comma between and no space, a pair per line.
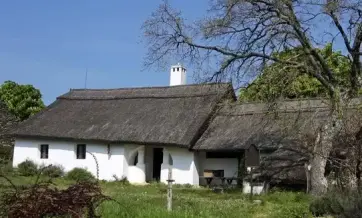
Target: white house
142,133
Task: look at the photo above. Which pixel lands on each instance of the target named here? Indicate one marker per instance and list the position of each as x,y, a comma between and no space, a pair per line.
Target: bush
320,206
80,175
122,180
338,203
28,168
5,154
53,171
6,168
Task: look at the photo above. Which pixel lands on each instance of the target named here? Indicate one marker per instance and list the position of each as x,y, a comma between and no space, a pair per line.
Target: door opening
157,161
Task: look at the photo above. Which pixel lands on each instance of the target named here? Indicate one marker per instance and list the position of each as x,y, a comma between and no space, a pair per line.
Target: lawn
150,201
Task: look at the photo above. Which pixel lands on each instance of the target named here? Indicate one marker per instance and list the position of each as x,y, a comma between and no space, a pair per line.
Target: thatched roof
238,125
156,115
283,131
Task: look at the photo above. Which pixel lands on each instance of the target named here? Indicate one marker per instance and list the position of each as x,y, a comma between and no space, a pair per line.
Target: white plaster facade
119,160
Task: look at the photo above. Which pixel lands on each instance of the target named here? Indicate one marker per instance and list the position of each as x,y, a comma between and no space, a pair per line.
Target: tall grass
150,201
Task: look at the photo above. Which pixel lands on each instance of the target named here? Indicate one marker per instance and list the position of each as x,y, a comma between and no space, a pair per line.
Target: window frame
46,151
81,154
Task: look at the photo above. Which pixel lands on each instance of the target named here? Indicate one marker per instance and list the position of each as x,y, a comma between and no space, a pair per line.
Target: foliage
122,180
28,168
338,203
6,168
22,100
53,171
278,81
5,153
45,200
80,174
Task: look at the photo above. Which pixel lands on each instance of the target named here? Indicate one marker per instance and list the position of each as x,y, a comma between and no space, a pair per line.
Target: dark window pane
135,159
81,150
44,151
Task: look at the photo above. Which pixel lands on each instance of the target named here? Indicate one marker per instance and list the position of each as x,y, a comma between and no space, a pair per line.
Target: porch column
140,171
141,156
165,157
165,166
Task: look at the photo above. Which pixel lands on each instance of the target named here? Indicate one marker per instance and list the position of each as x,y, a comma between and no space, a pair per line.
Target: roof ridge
136,97
280,101
152,87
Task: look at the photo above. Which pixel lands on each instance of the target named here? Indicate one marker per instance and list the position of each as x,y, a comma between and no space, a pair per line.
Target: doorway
157,161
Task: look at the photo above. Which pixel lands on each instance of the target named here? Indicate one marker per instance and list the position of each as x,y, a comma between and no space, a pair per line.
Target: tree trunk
323,147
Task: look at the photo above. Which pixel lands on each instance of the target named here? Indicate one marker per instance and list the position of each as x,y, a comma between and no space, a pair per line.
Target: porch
207,168
145,164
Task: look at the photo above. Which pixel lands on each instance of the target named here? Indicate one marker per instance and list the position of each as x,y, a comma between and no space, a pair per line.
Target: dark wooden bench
229,180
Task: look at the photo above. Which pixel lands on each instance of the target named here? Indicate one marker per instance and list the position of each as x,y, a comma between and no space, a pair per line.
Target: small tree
22,100
276,82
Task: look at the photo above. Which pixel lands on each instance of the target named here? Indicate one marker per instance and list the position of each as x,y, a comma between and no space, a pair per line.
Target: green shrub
53,171
6,168
294,210
80,175
28,168
5,154
122,180
320,206
338,203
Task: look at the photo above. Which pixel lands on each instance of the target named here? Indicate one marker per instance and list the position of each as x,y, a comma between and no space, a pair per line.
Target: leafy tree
278,81
237,38
22,100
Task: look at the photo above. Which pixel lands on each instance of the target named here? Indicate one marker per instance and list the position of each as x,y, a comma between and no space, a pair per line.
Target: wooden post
307,171
251,183
241,170
169,189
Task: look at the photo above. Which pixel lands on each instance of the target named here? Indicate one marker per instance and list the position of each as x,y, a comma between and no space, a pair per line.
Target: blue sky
49,44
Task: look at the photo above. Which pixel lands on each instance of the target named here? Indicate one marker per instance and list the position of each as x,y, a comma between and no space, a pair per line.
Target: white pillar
165,166
141,156
138,172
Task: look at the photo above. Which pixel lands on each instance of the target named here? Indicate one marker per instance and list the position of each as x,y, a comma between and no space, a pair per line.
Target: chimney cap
178,65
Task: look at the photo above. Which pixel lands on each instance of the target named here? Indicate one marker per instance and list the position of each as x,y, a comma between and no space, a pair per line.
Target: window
135,160
44,151
178,69
109,151
81,150
173,69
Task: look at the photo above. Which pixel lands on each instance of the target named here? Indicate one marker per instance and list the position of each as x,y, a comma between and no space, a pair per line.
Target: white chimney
177,75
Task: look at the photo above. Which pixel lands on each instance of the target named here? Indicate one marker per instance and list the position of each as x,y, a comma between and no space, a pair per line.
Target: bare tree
237,38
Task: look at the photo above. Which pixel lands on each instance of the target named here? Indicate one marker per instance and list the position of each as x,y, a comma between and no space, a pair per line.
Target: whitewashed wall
184,170
64,153
119,163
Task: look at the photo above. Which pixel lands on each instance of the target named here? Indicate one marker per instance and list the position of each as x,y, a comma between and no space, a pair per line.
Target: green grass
150,201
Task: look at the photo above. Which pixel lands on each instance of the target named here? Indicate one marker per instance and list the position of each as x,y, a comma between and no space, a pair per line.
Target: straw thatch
283,131
157,115
237,126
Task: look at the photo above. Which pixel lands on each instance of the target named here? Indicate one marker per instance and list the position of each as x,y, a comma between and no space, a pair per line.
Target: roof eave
105,141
